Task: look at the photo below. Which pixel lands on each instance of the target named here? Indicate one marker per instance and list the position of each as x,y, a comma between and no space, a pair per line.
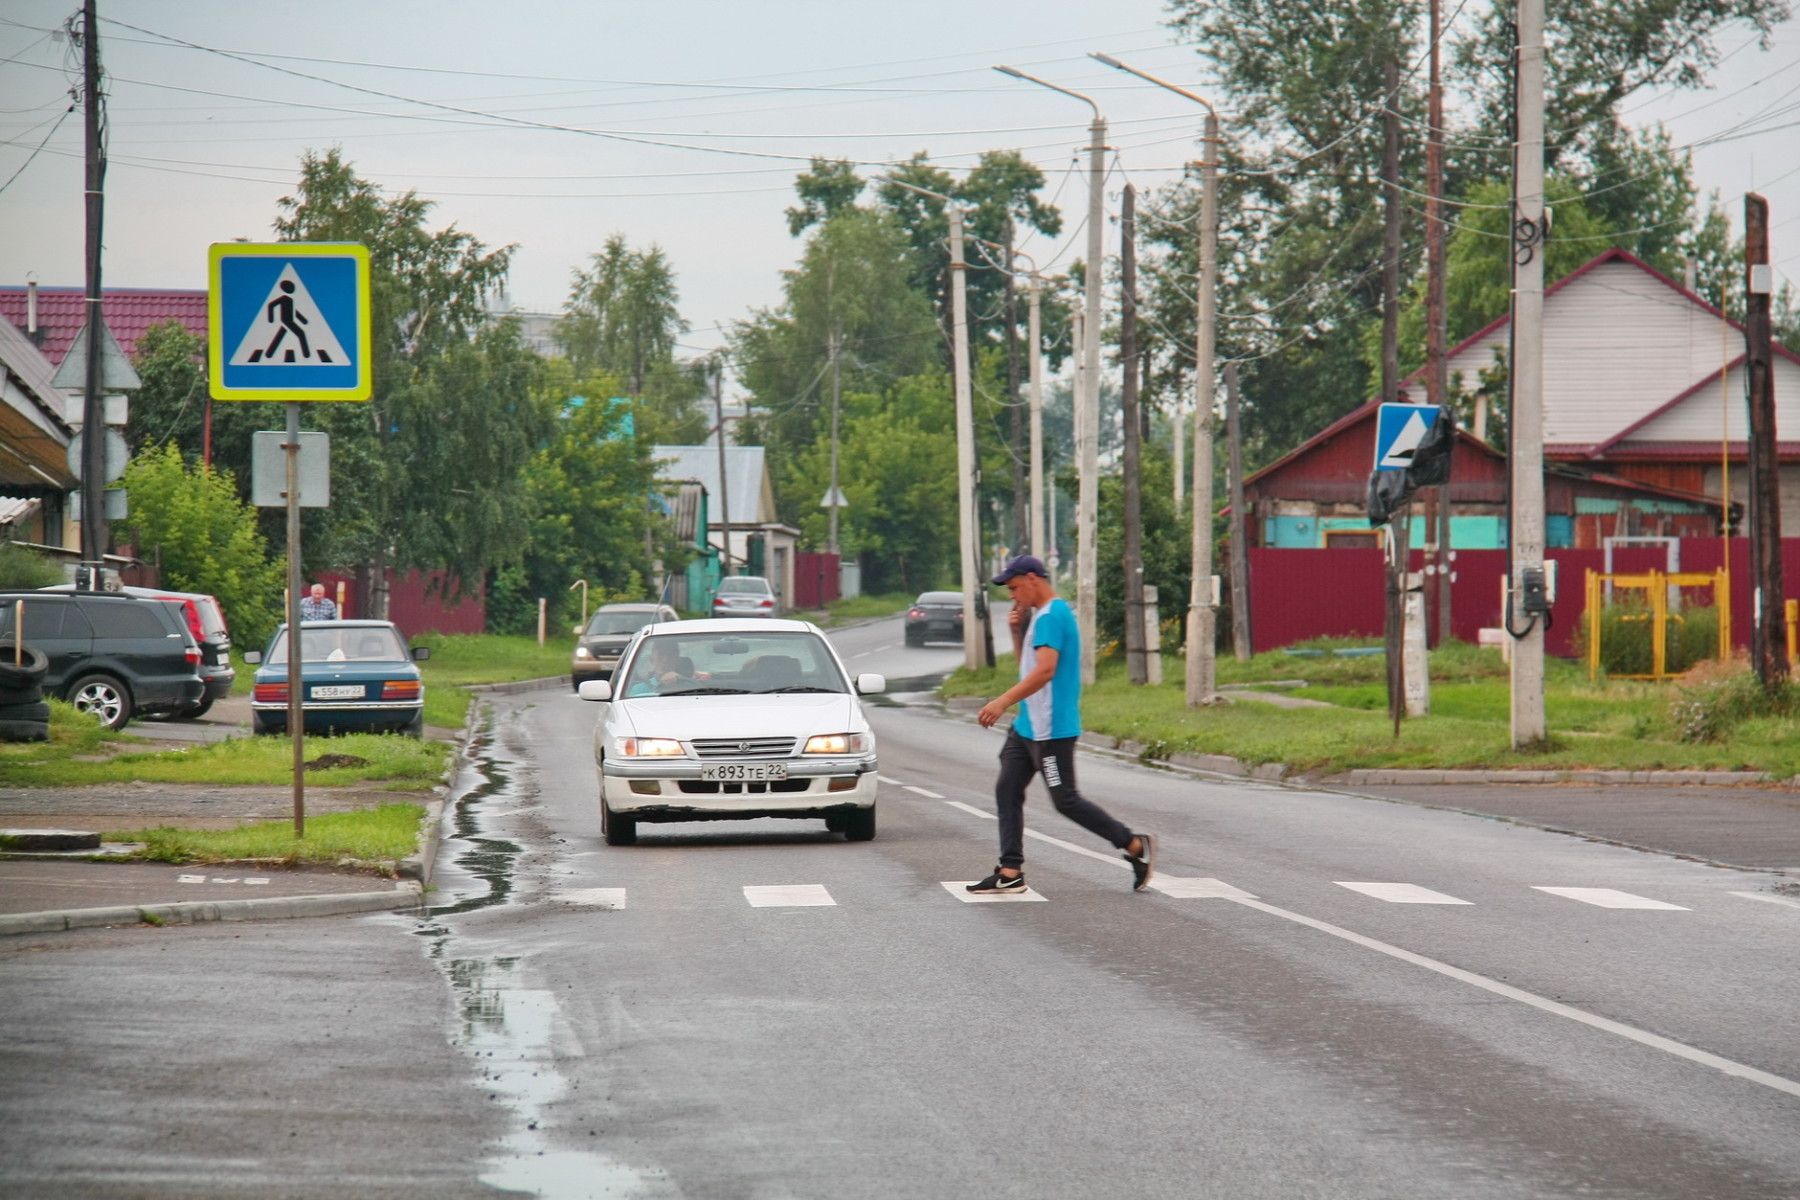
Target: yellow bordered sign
289,321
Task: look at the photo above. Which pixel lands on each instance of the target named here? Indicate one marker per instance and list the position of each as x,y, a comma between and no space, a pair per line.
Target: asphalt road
1330,996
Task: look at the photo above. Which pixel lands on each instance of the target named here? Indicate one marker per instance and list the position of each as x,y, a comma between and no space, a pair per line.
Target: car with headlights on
359,676
732,719
599,643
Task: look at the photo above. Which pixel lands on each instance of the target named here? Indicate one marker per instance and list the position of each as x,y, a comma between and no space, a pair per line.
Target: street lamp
974,654
1087,415
1201,615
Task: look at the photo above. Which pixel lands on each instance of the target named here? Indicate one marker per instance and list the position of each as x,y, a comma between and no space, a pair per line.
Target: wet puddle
510,1029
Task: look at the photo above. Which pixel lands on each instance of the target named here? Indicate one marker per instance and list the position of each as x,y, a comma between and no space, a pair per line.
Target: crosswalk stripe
1198,887
959,889
1608,898
612,898
789,895
1401,893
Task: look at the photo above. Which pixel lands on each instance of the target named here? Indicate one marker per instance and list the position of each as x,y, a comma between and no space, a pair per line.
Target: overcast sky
681,124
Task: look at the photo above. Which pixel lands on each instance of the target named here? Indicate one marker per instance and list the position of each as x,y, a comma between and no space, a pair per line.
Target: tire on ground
193,711
617,830
29,672
25,712
859,824
23,694
24,731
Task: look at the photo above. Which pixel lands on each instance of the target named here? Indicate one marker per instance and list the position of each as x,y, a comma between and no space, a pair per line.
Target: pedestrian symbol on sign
289,328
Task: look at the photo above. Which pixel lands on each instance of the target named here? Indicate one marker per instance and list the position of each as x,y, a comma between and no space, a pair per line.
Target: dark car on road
111,655
359,676
599,643
937,617
206,621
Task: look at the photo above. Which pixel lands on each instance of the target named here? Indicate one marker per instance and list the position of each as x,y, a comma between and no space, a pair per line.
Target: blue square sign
289,321
1399,428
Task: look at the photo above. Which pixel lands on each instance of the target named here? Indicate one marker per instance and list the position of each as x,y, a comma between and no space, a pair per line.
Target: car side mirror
595,689
421,653
253,656
870,684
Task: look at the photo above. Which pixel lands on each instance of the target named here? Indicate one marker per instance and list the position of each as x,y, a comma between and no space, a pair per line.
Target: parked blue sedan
359,678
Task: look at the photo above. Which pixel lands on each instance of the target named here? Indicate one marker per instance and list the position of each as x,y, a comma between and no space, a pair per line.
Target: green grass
376,838
71,733
396,763
861,608
1619,725
462,659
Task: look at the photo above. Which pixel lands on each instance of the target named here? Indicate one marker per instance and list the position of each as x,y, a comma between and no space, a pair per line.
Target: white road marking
1781,900
1199,887
929,795
1608,898
1555,1008
972,810
612,898
789,895
234,878
255,882
190,879
876,650
1401,893
959,889
885,779
1642,1037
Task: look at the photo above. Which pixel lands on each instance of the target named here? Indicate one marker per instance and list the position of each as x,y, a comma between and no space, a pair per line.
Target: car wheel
103,696
259,726
416,727
194,712
616,830
835,822
859,824
913,639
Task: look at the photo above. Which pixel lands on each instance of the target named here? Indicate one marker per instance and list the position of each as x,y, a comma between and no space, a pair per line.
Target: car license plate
743,772
337,693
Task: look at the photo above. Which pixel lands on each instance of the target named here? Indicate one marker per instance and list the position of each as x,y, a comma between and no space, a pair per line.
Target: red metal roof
128,312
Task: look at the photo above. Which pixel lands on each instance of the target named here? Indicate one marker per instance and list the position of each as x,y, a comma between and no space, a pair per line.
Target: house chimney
31,313
1690,273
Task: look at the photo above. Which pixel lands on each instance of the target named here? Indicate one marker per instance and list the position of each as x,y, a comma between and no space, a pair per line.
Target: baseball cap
1024,564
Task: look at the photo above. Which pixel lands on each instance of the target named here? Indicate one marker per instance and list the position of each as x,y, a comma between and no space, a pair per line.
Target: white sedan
731,719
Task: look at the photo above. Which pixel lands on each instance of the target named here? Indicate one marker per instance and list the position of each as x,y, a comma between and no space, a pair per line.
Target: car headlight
583,652
837,743
636,747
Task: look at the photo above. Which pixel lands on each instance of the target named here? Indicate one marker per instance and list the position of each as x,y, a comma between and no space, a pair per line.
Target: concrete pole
973,654
1034,313
1240,522
724,484
1088,501
1201,615
1527,417
1436,375
1137,667
1077,339
831,543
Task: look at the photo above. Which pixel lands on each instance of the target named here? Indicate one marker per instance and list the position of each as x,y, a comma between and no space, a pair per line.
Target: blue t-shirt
1054,710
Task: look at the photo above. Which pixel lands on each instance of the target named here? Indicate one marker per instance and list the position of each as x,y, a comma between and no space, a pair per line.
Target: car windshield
744,585
603,623
347,643
712,664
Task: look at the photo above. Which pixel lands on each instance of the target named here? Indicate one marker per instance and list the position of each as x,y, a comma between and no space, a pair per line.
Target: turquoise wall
1466,533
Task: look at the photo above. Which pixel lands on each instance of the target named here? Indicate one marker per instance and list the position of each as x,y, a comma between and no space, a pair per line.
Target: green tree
171,404
189,521
826,190
623,314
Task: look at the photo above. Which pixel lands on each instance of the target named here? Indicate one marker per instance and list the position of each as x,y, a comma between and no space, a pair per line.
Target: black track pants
1055,759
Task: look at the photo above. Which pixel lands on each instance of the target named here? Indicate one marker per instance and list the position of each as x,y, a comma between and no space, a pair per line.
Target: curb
403,896
519,685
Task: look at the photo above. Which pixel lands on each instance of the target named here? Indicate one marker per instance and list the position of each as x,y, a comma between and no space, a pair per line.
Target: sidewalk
44,892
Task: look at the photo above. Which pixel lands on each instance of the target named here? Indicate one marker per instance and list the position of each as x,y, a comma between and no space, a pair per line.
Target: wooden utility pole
93,409
724,485
1021,515
1436,376
1768,649
1136,667
1240,523
1390,377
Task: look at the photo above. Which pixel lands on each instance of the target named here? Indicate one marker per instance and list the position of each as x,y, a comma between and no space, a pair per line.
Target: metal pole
831,540
724,488
296,660
1088,500
1527,417
973,655
93,428
1034,298
1200,666
1137,667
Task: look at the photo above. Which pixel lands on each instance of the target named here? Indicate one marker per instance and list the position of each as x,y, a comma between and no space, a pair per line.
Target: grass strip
398,763
375,839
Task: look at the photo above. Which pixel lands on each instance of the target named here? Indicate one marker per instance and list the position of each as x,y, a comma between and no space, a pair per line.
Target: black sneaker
1141,861
997,884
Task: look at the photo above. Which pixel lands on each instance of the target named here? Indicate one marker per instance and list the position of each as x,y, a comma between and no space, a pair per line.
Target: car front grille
742,748
704,787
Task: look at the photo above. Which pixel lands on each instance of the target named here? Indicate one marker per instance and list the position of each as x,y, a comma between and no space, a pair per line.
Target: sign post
289,321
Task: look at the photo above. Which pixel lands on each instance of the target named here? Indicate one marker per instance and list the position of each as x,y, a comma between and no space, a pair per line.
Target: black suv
110,655
206,621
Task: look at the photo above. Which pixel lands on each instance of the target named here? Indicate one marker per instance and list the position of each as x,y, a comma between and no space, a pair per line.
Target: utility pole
1526,420
1240,522
1436,380
1034,300
1202,614
974,654
1767,646
832,497
1021,513
1137,667
1397,555
724,485
93,424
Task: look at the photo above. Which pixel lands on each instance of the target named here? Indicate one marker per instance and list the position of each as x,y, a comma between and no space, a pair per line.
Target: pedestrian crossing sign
1399,428
289,321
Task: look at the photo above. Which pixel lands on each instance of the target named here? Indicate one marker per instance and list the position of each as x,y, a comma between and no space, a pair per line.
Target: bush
1626,630
1716,697
26,570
